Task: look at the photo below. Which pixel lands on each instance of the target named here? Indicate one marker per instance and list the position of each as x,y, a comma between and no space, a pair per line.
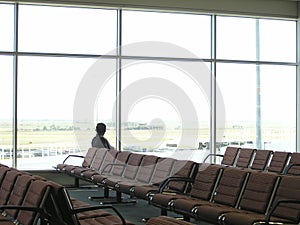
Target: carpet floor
134,212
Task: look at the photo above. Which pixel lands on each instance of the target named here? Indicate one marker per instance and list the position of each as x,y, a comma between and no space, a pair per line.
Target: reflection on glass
164,109
67,30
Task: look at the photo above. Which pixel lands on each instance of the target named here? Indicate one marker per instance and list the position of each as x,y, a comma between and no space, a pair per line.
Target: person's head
101,128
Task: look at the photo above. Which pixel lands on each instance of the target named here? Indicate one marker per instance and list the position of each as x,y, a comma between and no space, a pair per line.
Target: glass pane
48,107
236,38
242,91
165,108
278,107
105,107
67,30
6,27
6,112
251,39
237,87
278,40
191,32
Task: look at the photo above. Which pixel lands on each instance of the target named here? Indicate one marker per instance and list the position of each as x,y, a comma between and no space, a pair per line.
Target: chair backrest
183,168
7,185
3,165
133,164
259,191
98,158
162,170
36,196
231,185
288,189
206,181
109,158
18,193
278,162
293,167
3,171
165,220
230,155
89,157
261,159
245,157
122,159
60,205
95,165
146,168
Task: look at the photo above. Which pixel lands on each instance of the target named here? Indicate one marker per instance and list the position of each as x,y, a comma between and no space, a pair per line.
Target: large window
165,103
260,98
47,128
156,94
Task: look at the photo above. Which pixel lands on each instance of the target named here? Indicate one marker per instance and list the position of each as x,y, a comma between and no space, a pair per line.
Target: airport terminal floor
132,212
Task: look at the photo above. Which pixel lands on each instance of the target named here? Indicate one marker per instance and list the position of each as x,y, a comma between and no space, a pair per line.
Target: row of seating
125,172
235,196
263,160
162,181
22,197
29,200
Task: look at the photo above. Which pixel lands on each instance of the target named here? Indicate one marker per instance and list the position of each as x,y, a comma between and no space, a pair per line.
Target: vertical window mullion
298,88
213,114
119,79
15,86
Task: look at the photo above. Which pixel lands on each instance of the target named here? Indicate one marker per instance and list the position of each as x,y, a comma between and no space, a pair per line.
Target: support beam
266,8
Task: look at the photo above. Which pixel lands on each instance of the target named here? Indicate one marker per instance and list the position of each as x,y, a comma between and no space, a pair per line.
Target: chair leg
119,200
163,212
105,195
186,218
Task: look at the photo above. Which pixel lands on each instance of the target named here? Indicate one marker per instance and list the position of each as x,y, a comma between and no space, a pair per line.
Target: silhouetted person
99,141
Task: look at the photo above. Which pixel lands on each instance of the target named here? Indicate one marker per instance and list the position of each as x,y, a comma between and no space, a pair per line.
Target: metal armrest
209,155
78,156
286,170
166,182
277,203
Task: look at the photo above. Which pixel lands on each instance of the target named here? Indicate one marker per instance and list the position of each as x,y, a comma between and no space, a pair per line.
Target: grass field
36,133
47,143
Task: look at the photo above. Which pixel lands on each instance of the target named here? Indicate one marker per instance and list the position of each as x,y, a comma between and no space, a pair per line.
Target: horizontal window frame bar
150,58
